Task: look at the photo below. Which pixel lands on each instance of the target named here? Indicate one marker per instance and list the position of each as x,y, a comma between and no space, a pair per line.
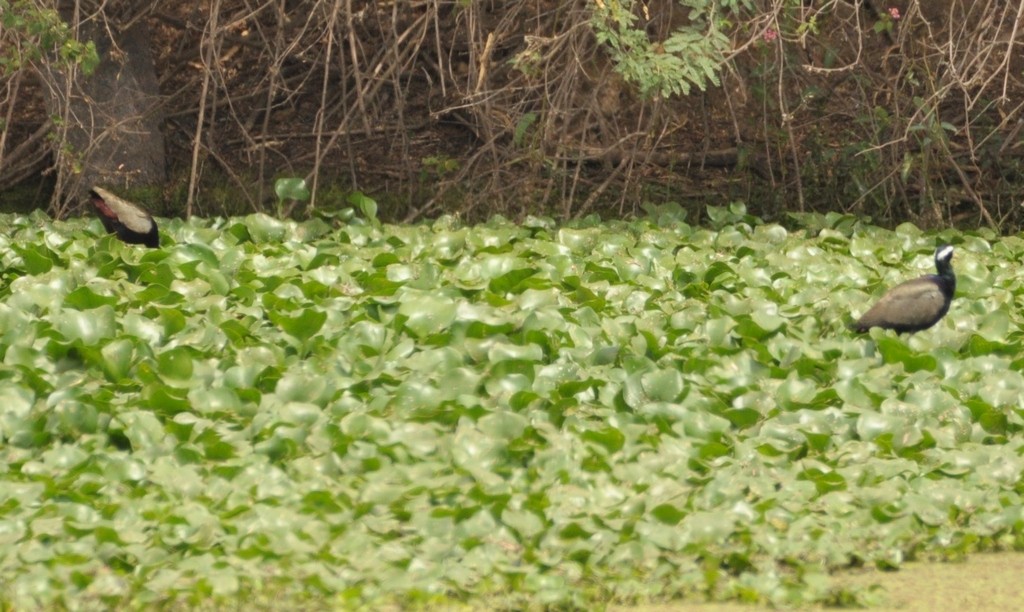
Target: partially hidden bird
132,223
916,304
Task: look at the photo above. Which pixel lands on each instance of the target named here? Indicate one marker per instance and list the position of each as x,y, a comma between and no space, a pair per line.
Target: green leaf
37,259
668,514
84,298
214,401
118,357
609,437
365,204
523,522
303,326
87,327
663,385
426,314
895,351
522,126
292,189
511,281
742,418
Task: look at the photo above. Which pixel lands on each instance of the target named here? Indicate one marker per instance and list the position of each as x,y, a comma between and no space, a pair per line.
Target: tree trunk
109,132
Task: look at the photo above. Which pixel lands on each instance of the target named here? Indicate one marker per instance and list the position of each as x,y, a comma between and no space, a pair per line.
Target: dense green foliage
692,55
500,414
29,33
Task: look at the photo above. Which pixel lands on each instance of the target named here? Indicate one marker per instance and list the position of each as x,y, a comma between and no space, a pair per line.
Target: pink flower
894,12
770,34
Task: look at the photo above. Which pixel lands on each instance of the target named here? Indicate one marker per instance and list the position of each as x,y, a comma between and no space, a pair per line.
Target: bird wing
129,215
914,302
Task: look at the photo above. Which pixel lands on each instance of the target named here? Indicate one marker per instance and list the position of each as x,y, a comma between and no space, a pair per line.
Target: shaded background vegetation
900,110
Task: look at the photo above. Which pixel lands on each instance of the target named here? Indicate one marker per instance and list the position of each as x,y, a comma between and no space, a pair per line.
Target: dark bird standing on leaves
129,221
916,304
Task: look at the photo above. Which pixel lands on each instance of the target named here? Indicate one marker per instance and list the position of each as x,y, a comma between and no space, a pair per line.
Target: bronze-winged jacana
129,221
916,304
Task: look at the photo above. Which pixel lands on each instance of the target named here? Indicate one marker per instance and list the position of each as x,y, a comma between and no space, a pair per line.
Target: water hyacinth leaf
303,326
213,401
718,273
73,417
176,364
191,256
871,426
503,425
796,391
88,327
668,514
263,229
608,437
365,204
166,400
853,392
300,413
519,412
994,422
512,352
85,298
300,387
766,321
426,314
633,393
17,400
824,481
118,356
994,326
979,346
663,385
525,523
459,381
576,240
37,259
507,380
895,351
219,282
511,281
743,417
718,331
292,189
378,284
